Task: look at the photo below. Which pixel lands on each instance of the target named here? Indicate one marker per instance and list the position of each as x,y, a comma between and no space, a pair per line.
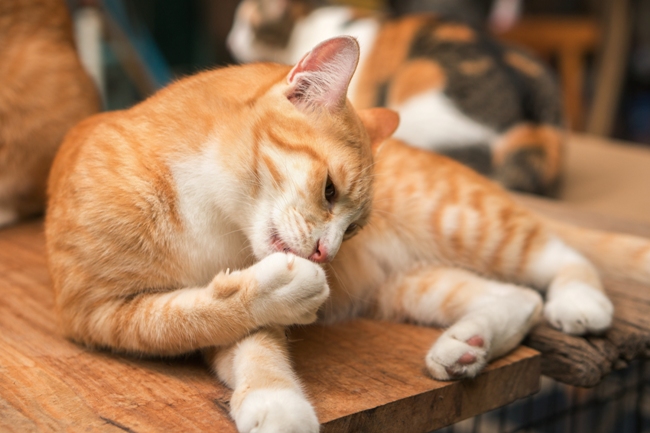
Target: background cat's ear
380,124
322,76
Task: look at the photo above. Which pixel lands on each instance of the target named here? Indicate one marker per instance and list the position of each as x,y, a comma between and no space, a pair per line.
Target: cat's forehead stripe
278,178
293,147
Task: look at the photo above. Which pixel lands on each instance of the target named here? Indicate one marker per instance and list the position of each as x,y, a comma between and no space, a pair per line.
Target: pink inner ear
322,76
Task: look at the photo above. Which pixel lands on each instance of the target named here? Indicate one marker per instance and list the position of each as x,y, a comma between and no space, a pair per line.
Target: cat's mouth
278,245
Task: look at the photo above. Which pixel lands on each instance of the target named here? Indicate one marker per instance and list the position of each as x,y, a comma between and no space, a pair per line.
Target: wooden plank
585,361
370,376
361,375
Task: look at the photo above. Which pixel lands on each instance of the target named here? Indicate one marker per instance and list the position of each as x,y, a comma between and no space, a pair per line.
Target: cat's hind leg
267,395
486,318
575,300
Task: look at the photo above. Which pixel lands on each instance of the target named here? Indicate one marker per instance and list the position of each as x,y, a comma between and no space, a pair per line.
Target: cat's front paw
290,290
578,308
276,411
457,355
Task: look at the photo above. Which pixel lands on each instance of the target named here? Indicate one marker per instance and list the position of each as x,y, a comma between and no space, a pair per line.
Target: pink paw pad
476,341
466,359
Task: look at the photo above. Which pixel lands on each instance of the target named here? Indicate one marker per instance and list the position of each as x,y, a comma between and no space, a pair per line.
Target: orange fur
44,92
455,33
387,55
413,78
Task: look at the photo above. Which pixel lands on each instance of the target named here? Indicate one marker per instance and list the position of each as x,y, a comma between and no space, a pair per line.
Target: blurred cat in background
44,91
458,92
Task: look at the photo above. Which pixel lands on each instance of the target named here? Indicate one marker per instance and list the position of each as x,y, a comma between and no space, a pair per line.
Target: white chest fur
212,240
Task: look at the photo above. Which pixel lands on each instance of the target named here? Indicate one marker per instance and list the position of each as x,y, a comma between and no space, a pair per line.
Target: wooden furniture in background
611,67
608,177
569,40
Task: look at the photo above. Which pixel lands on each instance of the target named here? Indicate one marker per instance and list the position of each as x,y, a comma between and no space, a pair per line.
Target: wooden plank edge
441,407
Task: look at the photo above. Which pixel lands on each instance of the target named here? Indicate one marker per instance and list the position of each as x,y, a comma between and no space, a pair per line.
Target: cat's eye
330,191
351,230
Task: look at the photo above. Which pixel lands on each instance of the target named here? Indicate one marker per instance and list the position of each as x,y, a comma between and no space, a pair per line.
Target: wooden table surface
361,375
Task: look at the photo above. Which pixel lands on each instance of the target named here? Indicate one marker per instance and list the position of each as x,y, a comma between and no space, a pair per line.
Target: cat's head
262,29
314,156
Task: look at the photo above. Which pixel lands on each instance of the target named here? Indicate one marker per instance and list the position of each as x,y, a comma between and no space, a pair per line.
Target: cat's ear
322,76
380,123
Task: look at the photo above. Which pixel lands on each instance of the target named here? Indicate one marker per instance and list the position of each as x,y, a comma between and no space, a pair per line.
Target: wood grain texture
585,361
361,375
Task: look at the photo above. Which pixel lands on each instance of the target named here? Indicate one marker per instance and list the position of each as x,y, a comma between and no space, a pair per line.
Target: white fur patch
274,411
442,359
577,308
555,255
207,196
431,121
291,290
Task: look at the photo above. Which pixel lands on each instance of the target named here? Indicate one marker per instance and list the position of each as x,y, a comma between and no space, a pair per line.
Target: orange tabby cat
44,91
214,213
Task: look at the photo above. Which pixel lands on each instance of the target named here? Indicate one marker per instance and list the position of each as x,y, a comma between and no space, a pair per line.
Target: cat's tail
615,255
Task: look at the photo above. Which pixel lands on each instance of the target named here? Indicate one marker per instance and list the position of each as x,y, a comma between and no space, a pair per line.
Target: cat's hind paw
276,411
452,358
579,309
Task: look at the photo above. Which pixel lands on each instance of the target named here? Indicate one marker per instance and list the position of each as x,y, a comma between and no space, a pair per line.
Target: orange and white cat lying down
215,213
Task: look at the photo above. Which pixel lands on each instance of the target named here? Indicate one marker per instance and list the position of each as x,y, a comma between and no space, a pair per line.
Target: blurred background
600,49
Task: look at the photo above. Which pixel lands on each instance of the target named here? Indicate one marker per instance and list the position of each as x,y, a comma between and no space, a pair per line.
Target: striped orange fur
213,214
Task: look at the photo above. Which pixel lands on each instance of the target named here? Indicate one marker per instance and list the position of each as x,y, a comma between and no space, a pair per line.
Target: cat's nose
320,253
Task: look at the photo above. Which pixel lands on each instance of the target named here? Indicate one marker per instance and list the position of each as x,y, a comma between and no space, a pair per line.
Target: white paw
460,352
291,290
276,411
578,308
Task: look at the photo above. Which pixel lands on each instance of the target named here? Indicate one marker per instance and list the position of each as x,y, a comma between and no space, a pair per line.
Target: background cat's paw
455,355
578,308
291,290
276,411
